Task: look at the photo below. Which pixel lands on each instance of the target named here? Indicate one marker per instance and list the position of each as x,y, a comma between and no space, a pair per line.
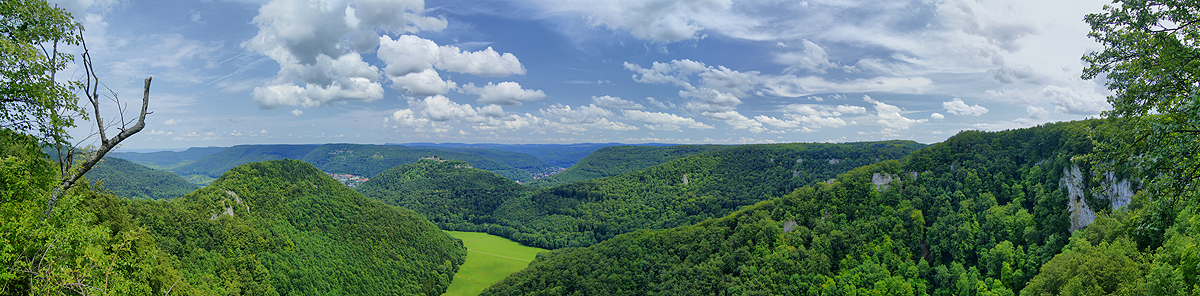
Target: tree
33,101
1151,59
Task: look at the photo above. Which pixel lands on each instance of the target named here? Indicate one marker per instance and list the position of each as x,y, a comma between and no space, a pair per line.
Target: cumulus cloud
958,107
297,112
660,121
617,103
1033,116
670,20
422,84
936,115
506,93
319,44
409,54
565,118
811,117
890,116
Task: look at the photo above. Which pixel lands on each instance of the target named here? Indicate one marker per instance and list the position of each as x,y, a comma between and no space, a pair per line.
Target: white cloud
506,93
422,84
297,112
319,44
660,104
936,115
440,108
1033,116
811,117
660,121
891,117
405,118
667,20
958,107
616,103
813,58
410,54
171,121
584,114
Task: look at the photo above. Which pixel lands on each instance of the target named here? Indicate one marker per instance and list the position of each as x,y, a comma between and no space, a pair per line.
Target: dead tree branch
91,90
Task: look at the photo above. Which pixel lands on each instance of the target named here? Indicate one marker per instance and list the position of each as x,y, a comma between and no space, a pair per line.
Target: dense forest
616,160
980,214
284,228
680,192
1097,207
127,179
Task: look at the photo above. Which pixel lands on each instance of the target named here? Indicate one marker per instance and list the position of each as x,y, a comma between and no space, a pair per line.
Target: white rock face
881,181
1081,213
1118,192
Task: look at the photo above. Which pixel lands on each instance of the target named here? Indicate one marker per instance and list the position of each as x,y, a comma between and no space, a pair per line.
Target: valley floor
490,259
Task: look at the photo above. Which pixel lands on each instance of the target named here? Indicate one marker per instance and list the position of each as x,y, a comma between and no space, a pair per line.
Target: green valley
127,179
489,259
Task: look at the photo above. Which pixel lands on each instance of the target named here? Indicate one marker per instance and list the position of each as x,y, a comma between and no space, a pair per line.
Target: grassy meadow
490,258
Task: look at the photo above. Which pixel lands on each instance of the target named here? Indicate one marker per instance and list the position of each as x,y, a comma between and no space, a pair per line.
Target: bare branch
91,89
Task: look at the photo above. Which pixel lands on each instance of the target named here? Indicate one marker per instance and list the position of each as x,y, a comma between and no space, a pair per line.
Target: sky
230,72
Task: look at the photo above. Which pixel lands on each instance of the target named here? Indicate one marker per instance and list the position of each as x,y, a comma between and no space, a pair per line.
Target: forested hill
616,160
131,180
447,192
676,193
166,160
357,159
980,214
284,227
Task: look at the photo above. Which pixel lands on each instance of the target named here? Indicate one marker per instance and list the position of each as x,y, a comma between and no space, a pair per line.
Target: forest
1104,206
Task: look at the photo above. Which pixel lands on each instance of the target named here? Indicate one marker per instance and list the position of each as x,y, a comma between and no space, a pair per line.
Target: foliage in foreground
88,245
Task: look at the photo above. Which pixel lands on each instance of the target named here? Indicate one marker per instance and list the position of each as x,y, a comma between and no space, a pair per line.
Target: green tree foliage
89,245
979,214
448,192
32,101
616,160
284,227
1151,66
127,179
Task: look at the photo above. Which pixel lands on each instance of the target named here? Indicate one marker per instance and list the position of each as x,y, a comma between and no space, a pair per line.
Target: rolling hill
980,214
284,227
166,160
356,159
127,179
616,160
680,192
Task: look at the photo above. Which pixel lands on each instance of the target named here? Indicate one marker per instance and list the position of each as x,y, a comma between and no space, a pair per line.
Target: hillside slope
980,214
166,160
131,180
444,191
284,227
616,160
676,193
357,159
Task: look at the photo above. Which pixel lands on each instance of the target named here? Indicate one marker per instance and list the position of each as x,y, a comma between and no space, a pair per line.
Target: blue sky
572,71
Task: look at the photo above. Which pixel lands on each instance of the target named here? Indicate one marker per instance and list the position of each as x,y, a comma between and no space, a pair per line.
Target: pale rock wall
1118,192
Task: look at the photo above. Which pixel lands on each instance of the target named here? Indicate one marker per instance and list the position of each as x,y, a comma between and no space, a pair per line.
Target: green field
490,258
